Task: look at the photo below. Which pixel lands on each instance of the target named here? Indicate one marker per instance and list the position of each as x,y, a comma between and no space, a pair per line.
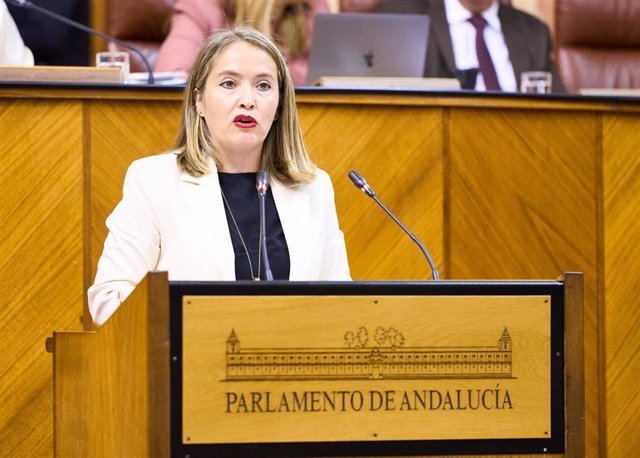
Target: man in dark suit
52,42
517,42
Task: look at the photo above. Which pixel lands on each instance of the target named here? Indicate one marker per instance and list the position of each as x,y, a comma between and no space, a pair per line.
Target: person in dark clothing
517,42
52,42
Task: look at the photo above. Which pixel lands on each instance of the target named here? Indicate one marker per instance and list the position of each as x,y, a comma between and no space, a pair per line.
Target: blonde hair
284,155
291,34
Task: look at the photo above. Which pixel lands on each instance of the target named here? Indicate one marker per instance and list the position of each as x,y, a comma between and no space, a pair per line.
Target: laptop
365,44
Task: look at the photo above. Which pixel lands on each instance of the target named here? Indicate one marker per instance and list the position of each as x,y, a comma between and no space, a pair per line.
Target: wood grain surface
496,187
41,263
620,319
297,409
399,153
524,205
112,386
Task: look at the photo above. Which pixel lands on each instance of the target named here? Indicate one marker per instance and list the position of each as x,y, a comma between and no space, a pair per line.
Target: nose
246,96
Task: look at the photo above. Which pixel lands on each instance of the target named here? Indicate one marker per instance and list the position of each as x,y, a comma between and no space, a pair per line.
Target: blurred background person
194,211
358,6
288,22
52,42
12,48
498,40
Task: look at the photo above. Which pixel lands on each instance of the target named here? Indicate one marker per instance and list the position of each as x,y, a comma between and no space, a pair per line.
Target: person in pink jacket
288,22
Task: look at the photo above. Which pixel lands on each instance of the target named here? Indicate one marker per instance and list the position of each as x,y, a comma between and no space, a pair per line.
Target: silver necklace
244,245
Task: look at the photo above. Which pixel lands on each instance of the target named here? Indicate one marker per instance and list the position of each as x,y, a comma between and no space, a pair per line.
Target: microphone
262,184
362,185
30,6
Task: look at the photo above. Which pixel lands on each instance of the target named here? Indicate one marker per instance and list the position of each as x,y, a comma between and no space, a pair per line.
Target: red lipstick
244,121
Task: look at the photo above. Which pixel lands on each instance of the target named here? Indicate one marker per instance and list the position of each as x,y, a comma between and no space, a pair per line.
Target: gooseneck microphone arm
262,184
30,6
362,185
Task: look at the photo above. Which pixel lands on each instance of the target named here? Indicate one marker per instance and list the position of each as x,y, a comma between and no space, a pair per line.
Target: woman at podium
195,211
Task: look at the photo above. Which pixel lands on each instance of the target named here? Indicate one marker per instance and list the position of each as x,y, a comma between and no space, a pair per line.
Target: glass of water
535,82
114,59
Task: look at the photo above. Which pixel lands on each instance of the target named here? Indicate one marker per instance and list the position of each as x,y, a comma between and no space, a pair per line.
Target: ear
197,95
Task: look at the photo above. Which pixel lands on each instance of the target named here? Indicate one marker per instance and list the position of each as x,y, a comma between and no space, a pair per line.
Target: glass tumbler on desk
114,59
535,83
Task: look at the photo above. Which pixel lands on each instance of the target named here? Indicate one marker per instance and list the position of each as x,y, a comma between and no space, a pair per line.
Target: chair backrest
598,43
141,23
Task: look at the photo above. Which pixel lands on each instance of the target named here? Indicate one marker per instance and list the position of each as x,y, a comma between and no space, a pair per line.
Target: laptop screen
363,44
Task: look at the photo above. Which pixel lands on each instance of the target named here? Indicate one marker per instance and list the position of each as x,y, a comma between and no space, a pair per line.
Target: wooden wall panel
40,260
524,205
121,132
98,21
399,152
521,188
621,204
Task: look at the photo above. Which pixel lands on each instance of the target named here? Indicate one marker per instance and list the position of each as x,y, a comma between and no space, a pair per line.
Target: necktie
484,58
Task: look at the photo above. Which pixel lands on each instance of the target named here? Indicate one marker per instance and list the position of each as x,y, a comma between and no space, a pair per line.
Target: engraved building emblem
382,356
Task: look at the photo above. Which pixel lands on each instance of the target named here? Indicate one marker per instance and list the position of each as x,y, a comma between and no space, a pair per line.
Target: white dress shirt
463,39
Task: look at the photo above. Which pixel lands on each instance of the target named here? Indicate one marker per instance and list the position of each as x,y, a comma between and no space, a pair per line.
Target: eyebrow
259,75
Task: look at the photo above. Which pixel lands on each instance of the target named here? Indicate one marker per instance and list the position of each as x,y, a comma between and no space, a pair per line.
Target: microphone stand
362,184
434,271
30,6
262,185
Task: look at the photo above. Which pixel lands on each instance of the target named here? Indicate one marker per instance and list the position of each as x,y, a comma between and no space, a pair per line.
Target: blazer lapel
203,197
515,44
440,42
294,212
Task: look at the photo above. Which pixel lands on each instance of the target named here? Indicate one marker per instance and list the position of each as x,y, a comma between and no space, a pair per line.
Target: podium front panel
319,369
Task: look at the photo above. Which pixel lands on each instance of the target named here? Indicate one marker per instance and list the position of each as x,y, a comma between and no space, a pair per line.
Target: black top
242,196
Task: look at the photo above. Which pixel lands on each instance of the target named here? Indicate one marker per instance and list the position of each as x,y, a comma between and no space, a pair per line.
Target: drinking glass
535,82
114,59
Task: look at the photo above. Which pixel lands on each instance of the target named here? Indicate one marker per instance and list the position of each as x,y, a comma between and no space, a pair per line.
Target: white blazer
170,221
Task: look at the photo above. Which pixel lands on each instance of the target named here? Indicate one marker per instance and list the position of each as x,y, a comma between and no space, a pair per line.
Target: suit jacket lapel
203,197
294,212
440,43
515,44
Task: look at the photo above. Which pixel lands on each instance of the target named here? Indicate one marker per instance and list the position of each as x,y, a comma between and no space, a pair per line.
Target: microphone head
262,182
361,183
357,179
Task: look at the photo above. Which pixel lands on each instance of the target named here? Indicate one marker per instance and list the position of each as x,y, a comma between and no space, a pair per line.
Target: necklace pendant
256,278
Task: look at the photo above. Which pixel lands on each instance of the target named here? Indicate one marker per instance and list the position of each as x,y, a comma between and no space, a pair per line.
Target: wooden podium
327,369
